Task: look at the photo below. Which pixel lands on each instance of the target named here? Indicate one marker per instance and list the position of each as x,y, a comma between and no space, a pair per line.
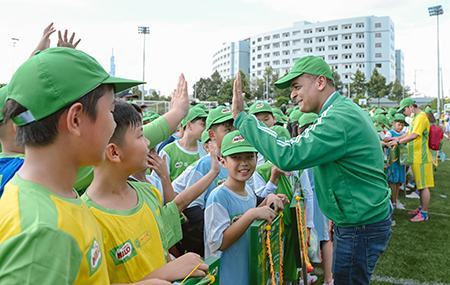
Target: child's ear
223,161
73,119
112,152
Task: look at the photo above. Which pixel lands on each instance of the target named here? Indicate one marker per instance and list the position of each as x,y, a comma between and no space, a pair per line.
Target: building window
285,35
377,25
360,65
286,52
294,33
320,48
308,50
360,25
286,43
258,56
320,30
360,45
377,45
347,37
333,38
267,63
360,55
296,51
276,36
320,39
378,65
348,66
276,53
360,35
296,42
346,26
286,61
276,62
332,47
347,46
266,38
259,64
253,74
333,57
259,39
267,46
276,45
347,56
258,48
332,28
267,55
308,31
259,72
308,41
378,54
378,35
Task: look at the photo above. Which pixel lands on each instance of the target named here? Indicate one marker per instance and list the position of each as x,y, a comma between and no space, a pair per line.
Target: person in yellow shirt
137,229
420,155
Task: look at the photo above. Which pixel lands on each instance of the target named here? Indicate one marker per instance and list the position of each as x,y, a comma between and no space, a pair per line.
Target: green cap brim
121,84
285,81
221,120
401,109
240,149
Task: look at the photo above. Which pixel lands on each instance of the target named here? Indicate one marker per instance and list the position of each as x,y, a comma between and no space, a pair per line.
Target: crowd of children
94,190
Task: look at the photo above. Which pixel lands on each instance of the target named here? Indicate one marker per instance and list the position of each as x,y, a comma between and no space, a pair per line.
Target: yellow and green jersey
178,158
418,149
48,239
136,240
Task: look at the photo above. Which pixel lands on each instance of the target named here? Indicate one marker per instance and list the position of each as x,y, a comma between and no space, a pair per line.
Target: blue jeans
356,251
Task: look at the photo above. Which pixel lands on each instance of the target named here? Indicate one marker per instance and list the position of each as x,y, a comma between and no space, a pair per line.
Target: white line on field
401,281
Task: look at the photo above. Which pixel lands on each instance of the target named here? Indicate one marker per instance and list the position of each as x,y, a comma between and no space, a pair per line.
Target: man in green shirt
343,147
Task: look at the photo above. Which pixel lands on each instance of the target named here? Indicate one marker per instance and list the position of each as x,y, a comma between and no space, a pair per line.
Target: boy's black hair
215,126
44,132
126,116
302,129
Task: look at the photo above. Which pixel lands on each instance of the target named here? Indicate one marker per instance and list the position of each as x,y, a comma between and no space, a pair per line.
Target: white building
232,57
399,67
346,45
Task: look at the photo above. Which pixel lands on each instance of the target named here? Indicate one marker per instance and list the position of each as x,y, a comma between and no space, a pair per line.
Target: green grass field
419,253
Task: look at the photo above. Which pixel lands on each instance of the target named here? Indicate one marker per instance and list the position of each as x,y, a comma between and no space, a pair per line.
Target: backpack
435,138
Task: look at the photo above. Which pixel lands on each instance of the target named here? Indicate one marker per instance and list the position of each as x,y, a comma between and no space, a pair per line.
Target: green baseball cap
194,113
55,78
405,103
313,65
392,111
281,132
150,117
400,118
381,119
379,111
260,107
279,116
218,115
205,137
307,118
295,115
234,142
3,93
428,110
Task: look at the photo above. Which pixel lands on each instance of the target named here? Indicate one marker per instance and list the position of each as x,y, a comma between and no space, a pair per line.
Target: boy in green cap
280,118
232,207
417,144
185,151
263,112
137,228
64,121
345,152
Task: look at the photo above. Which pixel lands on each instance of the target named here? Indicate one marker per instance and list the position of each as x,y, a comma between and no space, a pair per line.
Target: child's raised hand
180,98
63,41
214,157
44,42
264,213
157,164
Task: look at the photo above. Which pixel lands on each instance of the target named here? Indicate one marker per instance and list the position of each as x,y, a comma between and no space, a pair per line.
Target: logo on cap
226,110
259,105
237,139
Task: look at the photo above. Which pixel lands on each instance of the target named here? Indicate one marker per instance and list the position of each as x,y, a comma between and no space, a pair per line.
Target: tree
397,92
208,88
358,86
136,92
257,86
377,87
225,92
337,82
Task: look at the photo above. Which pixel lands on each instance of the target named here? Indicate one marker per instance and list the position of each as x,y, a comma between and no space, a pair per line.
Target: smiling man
344,148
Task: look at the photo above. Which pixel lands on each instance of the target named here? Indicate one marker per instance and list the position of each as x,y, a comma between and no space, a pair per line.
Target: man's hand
180,98
63,41
44,42
238,98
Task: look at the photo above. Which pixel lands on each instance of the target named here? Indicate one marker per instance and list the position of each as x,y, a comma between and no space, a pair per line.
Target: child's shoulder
146,190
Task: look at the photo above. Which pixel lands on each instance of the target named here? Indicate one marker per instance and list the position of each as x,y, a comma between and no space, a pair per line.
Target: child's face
217,133
240,166
196,128
267,118
398,126
99,132
134,150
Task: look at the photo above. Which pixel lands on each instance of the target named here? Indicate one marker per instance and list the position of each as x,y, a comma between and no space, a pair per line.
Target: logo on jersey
94,257
123,252
178,164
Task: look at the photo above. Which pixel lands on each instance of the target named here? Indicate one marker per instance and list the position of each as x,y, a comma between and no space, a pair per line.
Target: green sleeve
42,255
157,131
172,232
323,142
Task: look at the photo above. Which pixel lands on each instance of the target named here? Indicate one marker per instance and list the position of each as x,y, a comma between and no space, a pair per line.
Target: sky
185,34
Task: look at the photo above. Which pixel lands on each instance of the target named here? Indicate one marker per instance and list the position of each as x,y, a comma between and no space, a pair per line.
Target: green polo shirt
344,148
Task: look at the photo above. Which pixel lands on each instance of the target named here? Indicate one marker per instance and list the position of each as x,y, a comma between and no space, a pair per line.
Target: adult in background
344,148
422,159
